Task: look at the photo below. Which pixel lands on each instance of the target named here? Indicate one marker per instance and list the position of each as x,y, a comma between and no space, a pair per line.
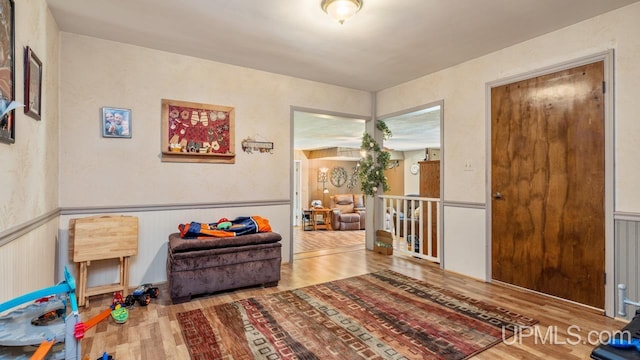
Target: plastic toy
81,327
223,224
44,322
143,295
117,300
120,314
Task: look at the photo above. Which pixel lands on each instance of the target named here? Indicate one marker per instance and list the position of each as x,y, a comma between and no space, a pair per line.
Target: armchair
347,212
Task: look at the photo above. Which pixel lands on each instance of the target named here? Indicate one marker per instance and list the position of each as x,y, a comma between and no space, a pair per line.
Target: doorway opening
326,156
412,207
326,151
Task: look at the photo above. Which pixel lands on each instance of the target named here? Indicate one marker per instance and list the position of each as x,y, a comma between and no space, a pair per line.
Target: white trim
297,193
17,231
168,207
608,58
626,216
292,111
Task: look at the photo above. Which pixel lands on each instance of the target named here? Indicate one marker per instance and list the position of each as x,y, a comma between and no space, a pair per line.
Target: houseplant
374,161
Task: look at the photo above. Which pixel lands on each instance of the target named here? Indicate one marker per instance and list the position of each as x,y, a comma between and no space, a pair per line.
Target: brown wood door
547,181
430,187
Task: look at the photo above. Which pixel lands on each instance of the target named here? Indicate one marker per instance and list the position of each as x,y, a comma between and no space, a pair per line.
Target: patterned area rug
382,315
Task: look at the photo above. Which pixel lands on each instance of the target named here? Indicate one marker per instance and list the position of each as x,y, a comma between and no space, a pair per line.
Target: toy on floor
119,312
81,328
44,323
117,299
143,295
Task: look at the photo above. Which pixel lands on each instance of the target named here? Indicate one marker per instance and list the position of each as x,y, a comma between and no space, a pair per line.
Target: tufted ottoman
204,266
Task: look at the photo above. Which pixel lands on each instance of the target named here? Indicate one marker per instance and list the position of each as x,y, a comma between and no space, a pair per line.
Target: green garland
373,164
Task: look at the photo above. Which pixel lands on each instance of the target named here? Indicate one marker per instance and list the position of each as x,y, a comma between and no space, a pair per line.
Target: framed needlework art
195,132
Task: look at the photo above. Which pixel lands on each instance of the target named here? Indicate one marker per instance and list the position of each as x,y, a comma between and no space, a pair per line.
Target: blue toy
44,322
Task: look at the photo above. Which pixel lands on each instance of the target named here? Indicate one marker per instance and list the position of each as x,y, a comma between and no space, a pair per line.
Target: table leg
125,276
82,286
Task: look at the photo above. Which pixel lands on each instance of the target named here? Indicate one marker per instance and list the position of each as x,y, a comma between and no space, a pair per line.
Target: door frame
297,192
608,58
440,103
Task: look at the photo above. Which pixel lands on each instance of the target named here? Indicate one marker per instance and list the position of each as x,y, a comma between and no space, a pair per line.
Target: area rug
382,315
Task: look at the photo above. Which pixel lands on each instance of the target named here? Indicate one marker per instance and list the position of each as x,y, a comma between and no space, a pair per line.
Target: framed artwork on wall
116,122
32,84
7,90
195,132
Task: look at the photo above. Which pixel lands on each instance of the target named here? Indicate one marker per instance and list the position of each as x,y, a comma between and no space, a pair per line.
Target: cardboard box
383,243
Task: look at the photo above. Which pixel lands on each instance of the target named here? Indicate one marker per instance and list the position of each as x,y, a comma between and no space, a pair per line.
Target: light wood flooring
152,332
329,241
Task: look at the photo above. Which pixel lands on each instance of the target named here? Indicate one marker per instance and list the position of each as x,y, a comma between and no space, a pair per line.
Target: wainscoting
627,257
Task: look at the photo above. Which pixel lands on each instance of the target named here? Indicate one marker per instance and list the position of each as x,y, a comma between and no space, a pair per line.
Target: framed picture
32,84
116,122
7,90
194,132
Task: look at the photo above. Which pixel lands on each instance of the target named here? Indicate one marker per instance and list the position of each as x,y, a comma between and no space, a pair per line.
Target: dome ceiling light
341,10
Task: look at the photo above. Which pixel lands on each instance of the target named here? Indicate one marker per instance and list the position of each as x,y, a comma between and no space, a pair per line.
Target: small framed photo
32,84
116,122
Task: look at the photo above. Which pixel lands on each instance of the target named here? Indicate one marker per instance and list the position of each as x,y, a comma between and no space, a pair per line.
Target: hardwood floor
152,332
310,241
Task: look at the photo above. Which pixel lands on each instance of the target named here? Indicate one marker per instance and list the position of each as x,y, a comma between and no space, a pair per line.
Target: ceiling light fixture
341,10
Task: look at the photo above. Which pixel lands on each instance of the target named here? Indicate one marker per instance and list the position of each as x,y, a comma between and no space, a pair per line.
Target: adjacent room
326,179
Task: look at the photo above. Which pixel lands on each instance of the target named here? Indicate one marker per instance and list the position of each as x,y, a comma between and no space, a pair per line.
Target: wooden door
430,187
547,181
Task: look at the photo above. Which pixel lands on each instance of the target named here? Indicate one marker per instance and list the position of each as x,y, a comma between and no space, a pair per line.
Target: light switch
468,165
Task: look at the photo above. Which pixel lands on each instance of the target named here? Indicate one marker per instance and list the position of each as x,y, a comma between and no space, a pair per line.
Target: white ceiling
412,131
387,43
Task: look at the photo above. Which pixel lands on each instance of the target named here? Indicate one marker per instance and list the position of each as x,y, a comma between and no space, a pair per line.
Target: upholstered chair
347,212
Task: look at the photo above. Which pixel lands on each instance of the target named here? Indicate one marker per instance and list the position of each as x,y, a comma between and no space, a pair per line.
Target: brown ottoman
197,267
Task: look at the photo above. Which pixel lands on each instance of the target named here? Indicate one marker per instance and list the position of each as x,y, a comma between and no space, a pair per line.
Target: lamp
322,177
341,10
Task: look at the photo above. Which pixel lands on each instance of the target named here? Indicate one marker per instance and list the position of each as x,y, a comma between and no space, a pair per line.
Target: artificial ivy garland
373,164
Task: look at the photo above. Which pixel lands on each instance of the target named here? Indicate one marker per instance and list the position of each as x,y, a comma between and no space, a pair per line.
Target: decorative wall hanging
338,176
353,179
194,132
249,145
32,84
116,123
7,90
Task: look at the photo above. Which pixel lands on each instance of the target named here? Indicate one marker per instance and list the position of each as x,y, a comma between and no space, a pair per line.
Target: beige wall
105,172
462,88
411,181
29,188
99,73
